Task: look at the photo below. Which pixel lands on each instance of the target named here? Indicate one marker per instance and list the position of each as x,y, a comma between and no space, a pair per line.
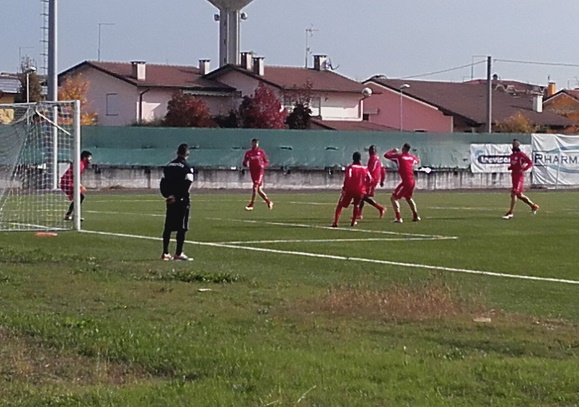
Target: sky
395,38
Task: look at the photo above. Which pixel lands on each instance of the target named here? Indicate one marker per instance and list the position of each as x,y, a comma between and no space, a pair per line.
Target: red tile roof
156,76
469,100
574,93
288,78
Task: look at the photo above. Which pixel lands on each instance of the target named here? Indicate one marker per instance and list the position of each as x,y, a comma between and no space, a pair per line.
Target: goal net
38,143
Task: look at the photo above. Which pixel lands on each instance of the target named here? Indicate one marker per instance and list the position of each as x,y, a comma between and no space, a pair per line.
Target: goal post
39,142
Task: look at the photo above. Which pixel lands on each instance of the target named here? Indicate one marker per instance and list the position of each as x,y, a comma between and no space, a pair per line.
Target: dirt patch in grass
402,302
26,360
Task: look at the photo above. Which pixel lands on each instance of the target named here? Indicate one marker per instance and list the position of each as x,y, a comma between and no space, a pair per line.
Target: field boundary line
302,225
344,258
369,239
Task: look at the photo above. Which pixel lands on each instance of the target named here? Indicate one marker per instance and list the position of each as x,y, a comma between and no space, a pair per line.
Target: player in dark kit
175,184
67,182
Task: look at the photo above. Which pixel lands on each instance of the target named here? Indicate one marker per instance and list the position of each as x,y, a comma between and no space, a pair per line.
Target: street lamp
401,88
99,47
27,72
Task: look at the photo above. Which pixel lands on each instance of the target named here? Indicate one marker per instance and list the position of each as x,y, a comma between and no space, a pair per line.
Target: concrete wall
146,177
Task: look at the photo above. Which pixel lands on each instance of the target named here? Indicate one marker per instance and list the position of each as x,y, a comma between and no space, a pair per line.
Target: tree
262,110
517,123
228,121
187,111
76,88
301,98
299,118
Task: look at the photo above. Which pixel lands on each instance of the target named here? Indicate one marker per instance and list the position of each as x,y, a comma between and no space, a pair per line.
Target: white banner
555,159
493,157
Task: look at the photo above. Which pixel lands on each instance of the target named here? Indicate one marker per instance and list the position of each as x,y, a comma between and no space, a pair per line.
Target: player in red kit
405,189
67,182
378,174
356,180
256,159
519,163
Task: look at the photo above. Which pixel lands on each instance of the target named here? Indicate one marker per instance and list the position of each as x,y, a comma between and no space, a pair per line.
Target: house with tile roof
9,88
337,102
413,105
564,103
122,93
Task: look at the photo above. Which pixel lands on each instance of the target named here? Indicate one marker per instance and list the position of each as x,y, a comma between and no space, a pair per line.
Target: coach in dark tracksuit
175,184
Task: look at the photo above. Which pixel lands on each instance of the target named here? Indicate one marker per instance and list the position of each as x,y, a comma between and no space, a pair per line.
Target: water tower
229,18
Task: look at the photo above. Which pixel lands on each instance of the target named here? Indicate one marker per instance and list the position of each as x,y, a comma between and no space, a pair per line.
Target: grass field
277,309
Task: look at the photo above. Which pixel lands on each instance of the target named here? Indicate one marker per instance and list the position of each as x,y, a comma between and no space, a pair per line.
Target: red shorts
404,190
347,198
371,190
257,178
518,183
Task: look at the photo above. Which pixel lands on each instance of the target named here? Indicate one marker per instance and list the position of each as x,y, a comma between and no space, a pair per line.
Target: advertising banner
555,160
492,157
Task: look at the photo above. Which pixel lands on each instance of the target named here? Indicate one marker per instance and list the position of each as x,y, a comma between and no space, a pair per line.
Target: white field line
344,258
157,215
300,225
371,239
314,203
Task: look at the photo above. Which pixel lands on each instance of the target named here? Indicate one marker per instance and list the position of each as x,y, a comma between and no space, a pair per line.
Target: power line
456,68
514,61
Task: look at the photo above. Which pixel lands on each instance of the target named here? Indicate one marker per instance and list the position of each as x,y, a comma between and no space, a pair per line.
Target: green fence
224,148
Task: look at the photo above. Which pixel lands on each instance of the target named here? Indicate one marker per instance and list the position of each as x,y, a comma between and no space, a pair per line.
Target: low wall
148,178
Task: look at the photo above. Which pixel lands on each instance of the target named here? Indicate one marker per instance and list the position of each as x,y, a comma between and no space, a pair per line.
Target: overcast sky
396,38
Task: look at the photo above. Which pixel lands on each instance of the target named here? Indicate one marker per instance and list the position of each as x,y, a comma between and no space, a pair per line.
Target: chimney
320,62
247,61
258,67
538,103
551,89
204,66
139,70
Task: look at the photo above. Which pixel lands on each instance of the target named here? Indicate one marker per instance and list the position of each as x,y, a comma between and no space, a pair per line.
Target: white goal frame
58,141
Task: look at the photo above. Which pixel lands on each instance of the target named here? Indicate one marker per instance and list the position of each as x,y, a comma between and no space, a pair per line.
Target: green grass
98,320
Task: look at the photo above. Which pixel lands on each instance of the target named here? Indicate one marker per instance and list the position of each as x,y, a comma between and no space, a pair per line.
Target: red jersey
256,159
67,178
376,169
356,179
520,162
405,162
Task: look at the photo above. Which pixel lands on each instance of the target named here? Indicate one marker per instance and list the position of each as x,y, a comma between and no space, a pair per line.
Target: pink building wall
384,108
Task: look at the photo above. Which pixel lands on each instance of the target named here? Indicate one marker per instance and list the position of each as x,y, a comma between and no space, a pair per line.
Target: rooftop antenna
309,33
229,18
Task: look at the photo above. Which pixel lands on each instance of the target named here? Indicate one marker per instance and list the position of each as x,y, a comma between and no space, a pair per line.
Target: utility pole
489,96
309,33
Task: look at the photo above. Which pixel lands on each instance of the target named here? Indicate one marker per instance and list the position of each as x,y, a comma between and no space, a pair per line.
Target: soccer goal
38,143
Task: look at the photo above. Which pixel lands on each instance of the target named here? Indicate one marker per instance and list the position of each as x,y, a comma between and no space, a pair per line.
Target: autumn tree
185,110
76,88
262,110
517,123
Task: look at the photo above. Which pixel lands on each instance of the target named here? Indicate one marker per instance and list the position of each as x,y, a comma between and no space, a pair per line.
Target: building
413,105
123,93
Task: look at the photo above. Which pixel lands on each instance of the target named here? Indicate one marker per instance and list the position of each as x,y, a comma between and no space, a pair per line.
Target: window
112,104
